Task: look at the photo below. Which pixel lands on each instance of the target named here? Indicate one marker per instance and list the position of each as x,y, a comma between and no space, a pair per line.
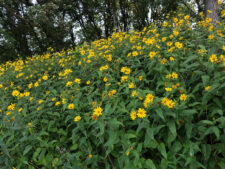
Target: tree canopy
29,27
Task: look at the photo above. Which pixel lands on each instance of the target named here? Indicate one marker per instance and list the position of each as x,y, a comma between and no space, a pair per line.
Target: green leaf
36,153
158,128
205,80
162,150
113,138
190,58
160,114
216,131
206,150
108,109
188,112
4,148
73,147
114,124
221,164
27,149
212,129
101,127
188,127
149,135
150,164
172,128
207,122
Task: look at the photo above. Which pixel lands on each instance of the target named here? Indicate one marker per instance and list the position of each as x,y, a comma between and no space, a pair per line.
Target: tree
211,7
28,28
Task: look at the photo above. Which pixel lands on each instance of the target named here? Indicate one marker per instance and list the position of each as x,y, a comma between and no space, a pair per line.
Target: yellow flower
36,84
163,61
183,97
8,113
152,54
170,104
77,80
69,83
77,118
103,67
90,155
178,45
124,78
165,24
127,153
131,85
222,58
149,98
176,33
175,20
12,106
71,106
174,86
41,101
168,89
45,77
213,58
15,93
207,88
174,75
125,70
98,111
134,93
20,109
21,95
164,39
30,85
169,43
57,103
88,82
223,47
27,94
210,37
63,100
135,53
133,115
29,125
223,13
171,58
200,51
140,78
186,17
141,113
208,20
112,92
105,79
1,86
164,101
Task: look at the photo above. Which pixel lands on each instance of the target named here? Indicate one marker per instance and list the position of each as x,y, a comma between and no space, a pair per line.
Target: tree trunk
212,6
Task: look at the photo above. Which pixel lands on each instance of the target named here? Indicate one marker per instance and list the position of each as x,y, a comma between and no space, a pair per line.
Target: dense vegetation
146,99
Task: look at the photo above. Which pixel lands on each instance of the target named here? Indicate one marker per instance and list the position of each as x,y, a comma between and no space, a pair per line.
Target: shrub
149,99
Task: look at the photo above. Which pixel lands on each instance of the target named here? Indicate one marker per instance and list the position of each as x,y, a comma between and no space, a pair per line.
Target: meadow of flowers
150,99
